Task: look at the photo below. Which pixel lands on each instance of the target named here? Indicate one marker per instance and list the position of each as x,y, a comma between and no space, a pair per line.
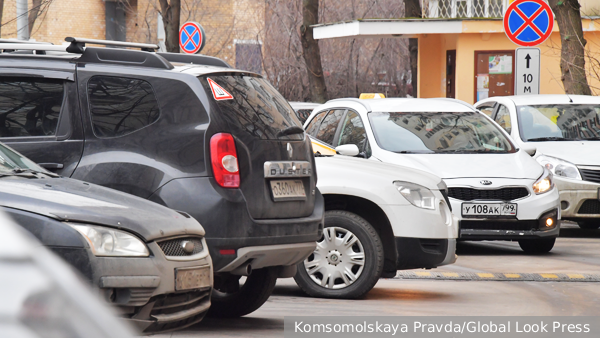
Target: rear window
255,106
30,107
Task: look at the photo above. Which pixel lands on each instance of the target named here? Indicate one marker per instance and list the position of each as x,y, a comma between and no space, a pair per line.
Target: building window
120,106
494,73
248,56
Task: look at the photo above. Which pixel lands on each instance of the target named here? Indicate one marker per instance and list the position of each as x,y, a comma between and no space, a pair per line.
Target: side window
30,107
353,131
487,109
329,126
313,126
121,106
503,118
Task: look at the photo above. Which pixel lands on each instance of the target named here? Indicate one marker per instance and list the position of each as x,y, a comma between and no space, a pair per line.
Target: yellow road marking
512,275
423,274
485,275
549,275
575,276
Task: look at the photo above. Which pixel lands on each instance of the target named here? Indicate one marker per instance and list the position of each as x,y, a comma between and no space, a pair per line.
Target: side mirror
529,149
347,150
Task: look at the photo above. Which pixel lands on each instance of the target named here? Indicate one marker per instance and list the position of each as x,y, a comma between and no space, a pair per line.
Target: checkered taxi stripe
487,276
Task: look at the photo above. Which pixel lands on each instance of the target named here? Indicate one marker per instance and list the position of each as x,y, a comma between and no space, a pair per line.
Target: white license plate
192,278
489,209
288,190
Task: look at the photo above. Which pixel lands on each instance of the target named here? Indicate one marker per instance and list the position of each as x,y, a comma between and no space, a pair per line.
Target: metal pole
22,20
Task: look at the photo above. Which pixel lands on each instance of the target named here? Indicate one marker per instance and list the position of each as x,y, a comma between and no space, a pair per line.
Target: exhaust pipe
242,270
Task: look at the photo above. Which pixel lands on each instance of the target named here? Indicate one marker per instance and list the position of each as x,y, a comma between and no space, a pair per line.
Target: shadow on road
488,249
573,232
238,327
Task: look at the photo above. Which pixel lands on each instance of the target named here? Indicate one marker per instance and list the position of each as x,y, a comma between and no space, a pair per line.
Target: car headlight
417,195
559,167
110,242
544,183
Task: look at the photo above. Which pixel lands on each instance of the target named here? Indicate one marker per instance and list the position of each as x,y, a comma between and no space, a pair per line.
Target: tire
589,225
537,246
344,226
233,300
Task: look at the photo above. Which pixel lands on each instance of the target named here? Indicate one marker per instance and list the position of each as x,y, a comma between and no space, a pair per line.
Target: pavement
535,293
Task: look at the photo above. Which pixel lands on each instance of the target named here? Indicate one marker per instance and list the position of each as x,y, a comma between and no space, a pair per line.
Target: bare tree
33,13
311,52
412,9
572,61
170,10
1,12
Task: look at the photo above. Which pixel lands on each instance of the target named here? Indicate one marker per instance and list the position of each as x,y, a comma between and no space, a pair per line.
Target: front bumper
573,195
417,253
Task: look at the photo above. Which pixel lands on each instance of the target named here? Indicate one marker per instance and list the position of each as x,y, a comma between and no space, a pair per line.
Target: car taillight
224,160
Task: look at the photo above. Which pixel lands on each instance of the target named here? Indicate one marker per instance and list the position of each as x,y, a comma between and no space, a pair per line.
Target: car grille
502,194
590,207
174,247
177,303
499,225
592,175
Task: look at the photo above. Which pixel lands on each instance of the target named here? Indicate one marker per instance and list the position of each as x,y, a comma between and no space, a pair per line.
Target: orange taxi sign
367,96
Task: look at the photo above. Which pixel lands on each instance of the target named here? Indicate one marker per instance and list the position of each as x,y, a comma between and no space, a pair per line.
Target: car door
487,108
328,127
352,131
40,117
502,117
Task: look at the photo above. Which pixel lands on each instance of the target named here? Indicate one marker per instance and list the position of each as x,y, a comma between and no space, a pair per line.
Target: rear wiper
552,138
290,131
34,172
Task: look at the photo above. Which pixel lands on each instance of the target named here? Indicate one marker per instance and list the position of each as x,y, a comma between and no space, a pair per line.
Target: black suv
185,131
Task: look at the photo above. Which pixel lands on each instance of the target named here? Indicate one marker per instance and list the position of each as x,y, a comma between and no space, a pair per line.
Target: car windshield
431,132
559,122
10,161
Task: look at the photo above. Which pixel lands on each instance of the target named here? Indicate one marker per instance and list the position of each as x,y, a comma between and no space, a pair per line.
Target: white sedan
565,129
497,190
379,218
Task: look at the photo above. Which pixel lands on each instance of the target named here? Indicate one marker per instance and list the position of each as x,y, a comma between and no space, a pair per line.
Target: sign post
191,37
527,71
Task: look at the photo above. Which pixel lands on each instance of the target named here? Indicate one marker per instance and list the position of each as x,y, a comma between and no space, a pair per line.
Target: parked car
149,261
379,218
303,109
185,131
42,297
498,191
565,130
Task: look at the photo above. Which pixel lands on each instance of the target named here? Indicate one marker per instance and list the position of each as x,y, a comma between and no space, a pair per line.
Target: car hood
577,152
76,201
512,165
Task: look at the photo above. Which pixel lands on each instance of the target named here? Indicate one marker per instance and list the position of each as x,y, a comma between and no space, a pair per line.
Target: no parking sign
528,22
191,37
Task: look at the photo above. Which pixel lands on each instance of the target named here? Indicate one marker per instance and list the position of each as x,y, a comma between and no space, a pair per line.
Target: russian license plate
489,209
192,278
288,190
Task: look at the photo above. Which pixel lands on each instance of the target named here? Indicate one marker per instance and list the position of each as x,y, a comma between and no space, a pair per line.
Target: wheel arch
373,214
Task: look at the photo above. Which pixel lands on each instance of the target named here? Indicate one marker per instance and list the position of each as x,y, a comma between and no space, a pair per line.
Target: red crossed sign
528,22
191,37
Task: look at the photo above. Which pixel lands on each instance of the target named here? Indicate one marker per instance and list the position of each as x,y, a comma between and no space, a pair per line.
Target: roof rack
195,59
25,42
77,44
38,48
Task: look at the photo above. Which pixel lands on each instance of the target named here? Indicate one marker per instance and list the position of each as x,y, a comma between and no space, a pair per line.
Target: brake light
224,160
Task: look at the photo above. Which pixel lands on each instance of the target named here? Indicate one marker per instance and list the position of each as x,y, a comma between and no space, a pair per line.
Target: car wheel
537,246
347,262
589,225
232,299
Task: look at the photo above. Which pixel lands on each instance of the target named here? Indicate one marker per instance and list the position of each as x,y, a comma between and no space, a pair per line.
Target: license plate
286,190
192,278
489,209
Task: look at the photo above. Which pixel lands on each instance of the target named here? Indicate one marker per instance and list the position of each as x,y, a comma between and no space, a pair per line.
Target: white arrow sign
527,73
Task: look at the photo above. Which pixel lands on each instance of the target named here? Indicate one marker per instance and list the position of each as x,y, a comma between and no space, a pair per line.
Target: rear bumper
272,255
229,227
416,253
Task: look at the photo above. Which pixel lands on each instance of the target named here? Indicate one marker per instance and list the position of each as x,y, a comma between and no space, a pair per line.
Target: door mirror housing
347,150
531,150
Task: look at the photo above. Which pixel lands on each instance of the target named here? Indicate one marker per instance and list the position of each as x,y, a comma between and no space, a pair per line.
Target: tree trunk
412,9
1,12
33,13
170,10
311,52
572,60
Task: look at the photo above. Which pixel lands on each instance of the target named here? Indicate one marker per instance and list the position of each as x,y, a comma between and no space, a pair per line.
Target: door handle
51,165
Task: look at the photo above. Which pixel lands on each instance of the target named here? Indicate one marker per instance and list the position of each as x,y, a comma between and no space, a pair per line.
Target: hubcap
338,261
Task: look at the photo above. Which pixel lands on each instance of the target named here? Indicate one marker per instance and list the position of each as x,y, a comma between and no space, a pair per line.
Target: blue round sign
528,22
191,37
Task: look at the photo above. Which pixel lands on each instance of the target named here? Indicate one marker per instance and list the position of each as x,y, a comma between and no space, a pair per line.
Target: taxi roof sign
367,96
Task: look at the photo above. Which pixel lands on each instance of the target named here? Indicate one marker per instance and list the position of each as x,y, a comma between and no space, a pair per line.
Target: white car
379,218
498,191
565,129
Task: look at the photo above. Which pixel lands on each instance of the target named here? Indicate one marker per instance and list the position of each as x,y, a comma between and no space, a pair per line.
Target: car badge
290,150
485,182
188,247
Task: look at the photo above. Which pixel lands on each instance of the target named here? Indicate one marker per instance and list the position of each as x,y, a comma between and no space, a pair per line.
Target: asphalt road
575,254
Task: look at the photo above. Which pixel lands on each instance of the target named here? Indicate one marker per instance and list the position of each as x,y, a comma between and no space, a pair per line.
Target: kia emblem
485,182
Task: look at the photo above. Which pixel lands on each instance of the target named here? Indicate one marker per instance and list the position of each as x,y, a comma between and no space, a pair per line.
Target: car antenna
570,99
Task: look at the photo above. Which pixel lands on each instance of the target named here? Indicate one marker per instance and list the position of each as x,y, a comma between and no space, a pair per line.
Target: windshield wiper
290,131
590,139
33,172
413,152
551,138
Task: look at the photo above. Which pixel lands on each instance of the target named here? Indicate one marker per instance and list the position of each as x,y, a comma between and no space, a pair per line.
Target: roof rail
77,44
38,48
123,57
195,59
25,42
